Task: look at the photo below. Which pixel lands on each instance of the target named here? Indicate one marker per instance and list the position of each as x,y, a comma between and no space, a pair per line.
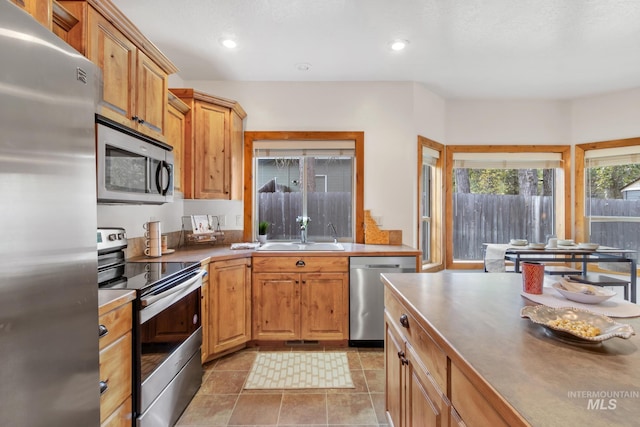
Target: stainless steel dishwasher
366,296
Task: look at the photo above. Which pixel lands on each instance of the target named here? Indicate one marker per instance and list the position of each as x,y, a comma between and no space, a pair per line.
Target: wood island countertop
475,319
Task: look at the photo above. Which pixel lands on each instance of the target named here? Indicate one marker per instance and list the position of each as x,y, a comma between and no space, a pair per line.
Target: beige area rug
290,370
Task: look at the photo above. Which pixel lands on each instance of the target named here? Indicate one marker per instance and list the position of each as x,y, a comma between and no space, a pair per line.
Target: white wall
503,122
605,117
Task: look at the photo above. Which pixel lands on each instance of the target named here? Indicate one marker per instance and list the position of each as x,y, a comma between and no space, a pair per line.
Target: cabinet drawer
117,322
115,370
301,264
121,417
470,403
434,359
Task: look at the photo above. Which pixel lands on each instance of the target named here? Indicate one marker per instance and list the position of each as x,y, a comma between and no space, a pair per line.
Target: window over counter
498,193
317,175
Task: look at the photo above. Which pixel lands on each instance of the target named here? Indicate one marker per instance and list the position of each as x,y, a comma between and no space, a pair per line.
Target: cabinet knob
300,263
103,387
102,331
404,321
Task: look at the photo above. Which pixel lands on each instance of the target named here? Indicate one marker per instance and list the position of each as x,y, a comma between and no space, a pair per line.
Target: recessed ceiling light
399,44
303,66
229,43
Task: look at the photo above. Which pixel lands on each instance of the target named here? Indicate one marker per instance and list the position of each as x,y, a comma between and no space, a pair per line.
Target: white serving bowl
588,246
518,242
537,245
565,242
573,292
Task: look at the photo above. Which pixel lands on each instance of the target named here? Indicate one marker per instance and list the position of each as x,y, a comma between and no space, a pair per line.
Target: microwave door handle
167,166
160,185
148,160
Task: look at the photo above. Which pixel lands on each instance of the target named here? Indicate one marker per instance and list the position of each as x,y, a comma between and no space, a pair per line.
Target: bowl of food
581,292
518,242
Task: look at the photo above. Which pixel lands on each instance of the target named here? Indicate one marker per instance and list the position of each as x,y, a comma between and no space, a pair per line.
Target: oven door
169,370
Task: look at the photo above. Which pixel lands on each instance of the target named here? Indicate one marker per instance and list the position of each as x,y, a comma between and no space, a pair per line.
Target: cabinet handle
102,331
134,118
403,360
103,387
300,263
404,321
140,121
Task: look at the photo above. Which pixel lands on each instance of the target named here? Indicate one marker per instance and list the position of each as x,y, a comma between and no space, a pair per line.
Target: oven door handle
154,304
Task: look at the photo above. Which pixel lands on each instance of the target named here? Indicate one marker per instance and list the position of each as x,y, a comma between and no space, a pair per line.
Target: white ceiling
555,49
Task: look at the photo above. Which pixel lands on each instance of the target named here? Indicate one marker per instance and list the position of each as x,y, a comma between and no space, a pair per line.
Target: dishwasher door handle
379,266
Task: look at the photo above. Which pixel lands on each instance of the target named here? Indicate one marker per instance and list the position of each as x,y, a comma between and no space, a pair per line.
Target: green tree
606,182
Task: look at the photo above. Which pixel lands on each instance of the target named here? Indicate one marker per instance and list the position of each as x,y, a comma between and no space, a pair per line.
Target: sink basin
297,246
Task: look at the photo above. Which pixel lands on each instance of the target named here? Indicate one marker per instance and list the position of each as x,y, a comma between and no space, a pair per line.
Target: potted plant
262,231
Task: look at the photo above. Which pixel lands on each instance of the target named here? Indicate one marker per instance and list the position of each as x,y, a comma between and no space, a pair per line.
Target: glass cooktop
146,275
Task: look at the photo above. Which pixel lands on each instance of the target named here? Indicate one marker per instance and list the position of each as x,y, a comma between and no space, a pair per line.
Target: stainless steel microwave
131,168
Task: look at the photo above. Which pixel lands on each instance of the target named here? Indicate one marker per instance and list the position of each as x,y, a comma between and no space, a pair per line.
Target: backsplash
136,245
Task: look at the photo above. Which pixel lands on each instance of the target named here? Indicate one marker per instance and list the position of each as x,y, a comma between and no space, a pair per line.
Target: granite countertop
475,318
204,253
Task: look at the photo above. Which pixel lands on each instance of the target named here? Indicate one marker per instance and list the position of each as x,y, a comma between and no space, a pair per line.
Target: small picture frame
200,224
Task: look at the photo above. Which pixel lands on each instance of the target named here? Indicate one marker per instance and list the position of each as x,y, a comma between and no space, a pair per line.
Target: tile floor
221,401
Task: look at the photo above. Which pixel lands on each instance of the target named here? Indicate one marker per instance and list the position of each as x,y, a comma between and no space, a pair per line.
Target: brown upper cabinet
176,126
213,147
41,10
134,71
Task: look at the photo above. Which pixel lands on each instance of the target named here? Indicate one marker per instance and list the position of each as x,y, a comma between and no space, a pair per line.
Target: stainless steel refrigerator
49,371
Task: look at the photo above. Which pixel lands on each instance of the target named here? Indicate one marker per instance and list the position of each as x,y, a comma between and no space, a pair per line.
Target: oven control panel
110,239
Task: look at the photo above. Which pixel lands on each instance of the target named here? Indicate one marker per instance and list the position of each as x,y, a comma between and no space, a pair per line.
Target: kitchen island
484,365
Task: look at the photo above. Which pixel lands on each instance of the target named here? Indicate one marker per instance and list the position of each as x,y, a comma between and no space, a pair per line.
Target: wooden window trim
563,206
357,137
437,236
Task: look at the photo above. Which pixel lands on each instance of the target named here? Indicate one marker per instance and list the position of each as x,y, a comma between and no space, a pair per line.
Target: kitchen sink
297,246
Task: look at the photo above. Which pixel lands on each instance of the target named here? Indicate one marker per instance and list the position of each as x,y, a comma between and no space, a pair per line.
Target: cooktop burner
142,276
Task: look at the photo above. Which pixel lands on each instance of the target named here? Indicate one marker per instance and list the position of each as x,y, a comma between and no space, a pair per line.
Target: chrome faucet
303,221
335,233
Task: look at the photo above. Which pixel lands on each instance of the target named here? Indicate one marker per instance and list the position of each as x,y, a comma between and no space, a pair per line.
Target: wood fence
479,218
486,218
281,210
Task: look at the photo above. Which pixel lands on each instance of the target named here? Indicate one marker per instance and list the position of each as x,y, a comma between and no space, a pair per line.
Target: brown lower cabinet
115,366
226,307
424,387
300,298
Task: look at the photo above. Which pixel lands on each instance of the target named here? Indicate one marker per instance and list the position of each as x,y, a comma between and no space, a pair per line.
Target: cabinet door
116,57
229,316
204,309
237,154
175,132
324,306
424,403
276,306
212,151
393,351
151,97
